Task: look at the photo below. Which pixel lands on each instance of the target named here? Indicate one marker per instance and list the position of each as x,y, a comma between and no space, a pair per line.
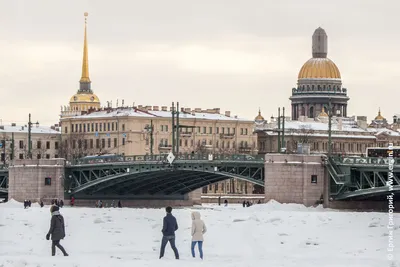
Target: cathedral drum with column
319,82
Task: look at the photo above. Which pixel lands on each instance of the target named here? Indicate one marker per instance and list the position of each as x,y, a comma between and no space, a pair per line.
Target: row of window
113,126
94,127
323,146
39,144
244,144
218,130
227,187
98,143
25,156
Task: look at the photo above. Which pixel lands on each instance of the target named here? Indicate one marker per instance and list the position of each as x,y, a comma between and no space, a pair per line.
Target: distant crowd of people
100,204
245,203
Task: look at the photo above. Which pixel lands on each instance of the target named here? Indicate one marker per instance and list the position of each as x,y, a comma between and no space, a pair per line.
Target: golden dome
84,98
323,113
379,117
259,116
319,68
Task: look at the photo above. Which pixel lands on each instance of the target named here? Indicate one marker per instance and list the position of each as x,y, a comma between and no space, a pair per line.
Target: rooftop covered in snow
24,129
341,127
209,114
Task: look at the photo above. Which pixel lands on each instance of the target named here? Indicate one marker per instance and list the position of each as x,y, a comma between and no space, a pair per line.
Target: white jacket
198,227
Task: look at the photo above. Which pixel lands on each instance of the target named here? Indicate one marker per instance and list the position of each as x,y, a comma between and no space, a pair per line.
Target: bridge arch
177,181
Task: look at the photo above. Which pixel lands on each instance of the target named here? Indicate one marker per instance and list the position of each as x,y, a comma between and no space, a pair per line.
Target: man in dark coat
57,230
169,227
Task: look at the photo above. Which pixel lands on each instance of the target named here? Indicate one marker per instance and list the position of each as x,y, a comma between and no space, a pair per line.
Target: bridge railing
163,158
363,160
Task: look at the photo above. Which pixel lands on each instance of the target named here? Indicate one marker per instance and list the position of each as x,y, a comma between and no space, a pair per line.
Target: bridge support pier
41,179
291,178
195,196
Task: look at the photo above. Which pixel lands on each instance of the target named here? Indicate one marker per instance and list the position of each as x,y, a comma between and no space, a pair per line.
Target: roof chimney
13,124
217,110
155,108
227,113
164,108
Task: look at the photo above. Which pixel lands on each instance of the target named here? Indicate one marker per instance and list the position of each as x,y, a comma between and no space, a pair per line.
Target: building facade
350,136
45,142
145,130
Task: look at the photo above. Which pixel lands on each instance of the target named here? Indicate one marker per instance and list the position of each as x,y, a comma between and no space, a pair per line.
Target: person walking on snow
57,230
198,229
169,227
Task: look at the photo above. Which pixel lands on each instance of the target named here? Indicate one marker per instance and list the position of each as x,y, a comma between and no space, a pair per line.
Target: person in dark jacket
169,227
57,230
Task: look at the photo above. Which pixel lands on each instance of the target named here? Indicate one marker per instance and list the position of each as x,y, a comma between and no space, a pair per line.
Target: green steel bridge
359,178
154,177
3,181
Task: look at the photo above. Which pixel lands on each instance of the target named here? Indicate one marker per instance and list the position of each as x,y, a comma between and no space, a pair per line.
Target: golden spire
259,117
379,117
85,62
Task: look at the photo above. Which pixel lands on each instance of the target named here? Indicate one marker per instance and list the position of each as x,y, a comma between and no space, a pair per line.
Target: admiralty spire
84,99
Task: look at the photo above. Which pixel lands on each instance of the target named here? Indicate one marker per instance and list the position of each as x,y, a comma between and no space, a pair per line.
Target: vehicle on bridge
100,159
377,152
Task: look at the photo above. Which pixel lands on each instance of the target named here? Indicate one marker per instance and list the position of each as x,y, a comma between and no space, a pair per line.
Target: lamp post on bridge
150,130
280,131
330,129
176,128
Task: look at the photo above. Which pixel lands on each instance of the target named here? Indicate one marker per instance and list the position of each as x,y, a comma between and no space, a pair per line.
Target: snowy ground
271,235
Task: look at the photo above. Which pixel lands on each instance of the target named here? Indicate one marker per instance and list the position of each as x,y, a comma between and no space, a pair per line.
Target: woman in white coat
198,229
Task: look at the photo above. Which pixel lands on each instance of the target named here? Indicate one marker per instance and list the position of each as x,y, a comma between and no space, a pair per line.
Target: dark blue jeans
171,240
200,248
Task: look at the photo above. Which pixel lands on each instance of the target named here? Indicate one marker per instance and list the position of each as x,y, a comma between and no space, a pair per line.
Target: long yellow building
88,129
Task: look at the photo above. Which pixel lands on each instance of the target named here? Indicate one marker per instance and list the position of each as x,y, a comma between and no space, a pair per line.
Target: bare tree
75,145
305,134
40,149
201,148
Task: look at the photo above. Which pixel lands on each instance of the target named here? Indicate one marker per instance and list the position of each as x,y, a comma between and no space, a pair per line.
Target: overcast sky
235,55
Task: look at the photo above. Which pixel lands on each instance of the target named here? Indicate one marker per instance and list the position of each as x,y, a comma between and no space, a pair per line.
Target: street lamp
149,129
330,129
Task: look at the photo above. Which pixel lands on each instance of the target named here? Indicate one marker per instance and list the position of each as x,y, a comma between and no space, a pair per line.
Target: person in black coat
169,227
57,230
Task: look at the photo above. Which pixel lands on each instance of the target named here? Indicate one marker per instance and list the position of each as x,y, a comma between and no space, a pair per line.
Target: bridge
3,181
359,178
153,176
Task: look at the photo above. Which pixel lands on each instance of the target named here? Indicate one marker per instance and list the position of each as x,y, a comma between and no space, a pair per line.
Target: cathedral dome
319,68
379,117
84,98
